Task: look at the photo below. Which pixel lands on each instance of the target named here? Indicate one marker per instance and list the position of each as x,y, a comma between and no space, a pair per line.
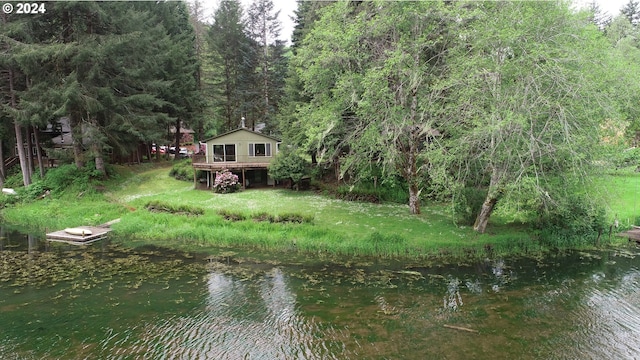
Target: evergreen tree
632,11
263,27
179,66
200,28
228,41
598,16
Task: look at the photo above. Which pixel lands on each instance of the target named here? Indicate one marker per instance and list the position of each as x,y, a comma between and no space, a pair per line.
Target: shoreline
336,227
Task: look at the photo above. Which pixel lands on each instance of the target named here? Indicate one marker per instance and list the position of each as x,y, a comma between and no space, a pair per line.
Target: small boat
78,231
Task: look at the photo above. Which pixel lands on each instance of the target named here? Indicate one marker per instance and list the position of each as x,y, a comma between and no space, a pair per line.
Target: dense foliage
182,170
492,106
289,165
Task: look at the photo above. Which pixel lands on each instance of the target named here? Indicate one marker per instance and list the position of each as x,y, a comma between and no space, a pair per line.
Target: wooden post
195,178
244,180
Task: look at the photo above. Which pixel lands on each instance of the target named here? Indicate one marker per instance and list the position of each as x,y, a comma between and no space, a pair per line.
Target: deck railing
199,158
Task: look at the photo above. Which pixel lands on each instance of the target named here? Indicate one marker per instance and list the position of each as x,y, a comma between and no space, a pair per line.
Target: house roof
243,129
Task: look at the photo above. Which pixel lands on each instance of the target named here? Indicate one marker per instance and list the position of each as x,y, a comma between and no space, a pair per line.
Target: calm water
60,301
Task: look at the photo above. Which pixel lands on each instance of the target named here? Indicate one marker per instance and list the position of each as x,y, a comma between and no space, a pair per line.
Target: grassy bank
337,227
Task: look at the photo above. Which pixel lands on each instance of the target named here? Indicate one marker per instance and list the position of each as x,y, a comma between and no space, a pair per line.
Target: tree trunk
412,161
412,178
483,217
177,152
2,169
24,166
76,139
36,136
29,150
97,149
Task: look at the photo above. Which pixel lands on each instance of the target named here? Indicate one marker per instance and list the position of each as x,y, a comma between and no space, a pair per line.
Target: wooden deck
97,233
229,166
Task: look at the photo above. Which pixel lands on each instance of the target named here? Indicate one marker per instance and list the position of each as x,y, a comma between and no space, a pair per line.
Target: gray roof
245,129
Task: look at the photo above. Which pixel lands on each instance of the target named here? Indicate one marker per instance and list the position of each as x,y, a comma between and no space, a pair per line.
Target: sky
611,6
287,7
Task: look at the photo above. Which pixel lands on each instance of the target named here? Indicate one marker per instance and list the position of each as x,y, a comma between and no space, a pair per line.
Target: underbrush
66,180
366,192
182,170
263,216
159,206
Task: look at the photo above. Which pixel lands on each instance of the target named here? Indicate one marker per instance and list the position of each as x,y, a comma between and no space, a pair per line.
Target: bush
289,165
467,203
358,193
265,217
574,221
626,158
226,182
228,215
66,177
182,170
291,218
6,200
368,193
158,206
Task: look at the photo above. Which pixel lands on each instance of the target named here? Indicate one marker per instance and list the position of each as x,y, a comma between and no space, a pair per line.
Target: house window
278,147
260,149
224,152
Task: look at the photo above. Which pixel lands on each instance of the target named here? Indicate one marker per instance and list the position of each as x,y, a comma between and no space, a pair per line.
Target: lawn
338,226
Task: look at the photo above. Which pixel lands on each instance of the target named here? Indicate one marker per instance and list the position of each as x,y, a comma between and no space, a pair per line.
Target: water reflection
608,320
453,299
243,319
136,305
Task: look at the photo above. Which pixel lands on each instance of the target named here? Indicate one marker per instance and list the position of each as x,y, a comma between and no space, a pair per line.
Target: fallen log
461,328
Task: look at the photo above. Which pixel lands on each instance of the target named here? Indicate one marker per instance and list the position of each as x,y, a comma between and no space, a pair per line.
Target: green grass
621,193
338,227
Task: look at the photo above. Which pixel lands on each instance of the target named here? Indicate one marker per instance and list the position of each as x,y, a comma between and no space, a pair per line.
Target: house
244,152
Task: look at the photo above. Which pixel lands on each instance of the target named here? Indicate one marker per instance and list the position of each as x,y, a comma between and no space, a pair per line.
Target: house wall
242,139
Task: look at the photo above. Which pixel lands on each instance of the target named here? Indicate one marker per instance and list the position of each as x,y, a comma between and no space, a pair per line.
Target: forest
491,106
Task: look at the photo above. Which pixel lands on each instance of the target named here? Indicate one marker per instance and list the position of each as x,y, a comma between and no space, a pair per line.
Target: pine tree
228,41
263,27
632,11
598,16
179,66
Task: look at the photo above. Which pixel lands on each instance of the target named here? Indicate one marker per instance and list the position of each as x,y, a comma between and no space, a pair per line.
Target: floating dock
96,233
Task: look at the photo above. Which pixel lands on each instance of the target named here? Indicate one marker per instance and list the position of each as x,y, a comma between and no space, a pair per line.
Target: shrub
68,176
158,206
289,165
266,217
626,157
226,182
466,204
291,218
368,193
574,221
228,215
182,170
358,193
6,200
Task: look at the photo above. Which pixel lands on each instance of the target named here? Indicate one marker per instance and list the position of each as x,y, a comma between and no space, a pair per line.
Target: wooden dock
97,233
632,235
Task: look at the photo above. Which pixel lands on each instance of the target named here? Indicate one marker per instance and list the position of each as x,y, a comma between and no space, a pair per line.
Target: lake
60,301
